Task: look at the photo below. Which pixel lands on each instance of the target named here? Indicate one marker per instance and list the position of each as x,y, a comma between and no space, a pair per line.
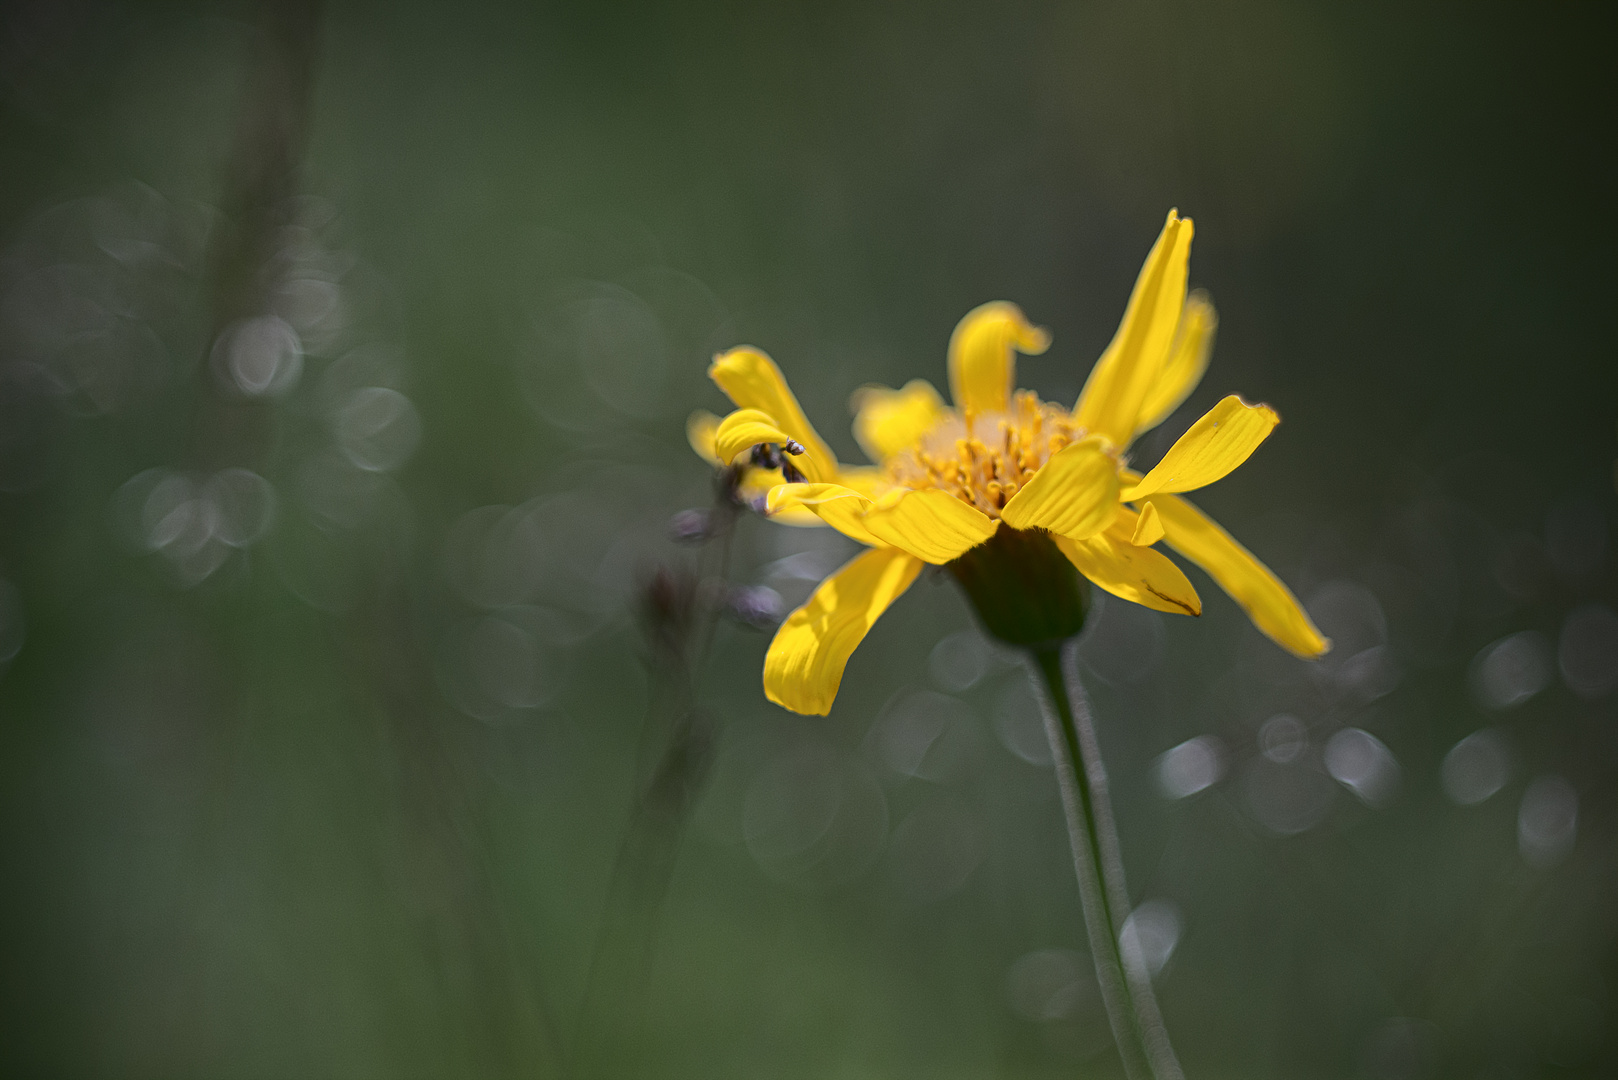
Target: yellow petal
1148,528
804,666
1113,395
868,480
1224,438
699,432
1188,359
982,355
758,483
840,507
1270,604
752,381
1075,493
932,525
888,421
1140,574
744,429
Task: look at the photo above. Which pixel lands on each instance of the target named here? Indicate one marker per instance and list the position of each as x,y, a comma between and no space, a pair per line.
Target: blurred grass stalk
1121,970
501,1014
681,610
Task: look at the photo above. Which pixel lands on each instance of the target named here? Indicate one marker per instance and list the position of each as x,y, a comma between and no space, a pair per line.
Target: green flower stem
1126,985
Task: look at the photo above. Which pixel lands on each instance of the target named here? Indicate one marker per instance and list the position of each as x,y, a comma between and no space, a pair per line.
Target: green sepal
1025,591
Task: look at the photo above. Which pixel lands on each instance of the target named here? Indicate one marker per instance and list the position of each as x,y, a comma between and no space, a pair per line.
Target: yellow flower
1006,467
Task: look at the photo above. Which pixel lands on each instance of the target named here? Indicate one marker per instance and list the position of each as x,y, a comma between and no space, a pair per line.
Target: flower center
987,461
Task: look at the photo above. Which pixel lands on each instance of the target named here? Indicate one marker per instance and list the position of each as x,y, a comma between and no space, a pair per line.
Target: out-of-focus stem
1126,985
615,989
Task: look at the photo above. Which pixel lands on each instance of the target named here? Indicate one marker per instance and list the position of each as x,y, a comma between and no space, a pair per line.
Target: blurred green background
345,355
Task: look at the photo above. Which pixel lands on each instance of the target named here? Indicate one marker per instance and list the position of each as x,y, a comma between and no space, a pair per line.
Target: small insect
769,456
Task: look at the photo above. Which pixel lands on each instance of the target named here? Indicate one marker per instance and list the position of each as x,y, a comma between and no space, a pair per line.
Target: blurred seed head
758,606
690,526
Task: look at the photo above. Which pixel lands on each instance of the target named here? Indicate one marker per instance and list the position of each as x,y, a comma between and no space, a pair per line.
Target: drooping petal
1148,528
700,427
932,525
757,484
1225,437
1113,395
1141,574
744,429
1188,359
805,662
1268,602
840,507
982,355
1075,493
752,381
700,432
888,421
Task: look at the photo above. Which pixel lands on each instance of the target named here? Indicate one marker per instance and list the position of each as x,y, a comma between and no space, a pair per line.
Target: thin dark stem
615,988
1126,986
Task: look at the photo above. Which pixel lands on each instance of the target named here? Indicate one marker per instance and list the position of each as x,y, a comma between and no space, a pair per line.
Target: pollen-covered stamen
986,459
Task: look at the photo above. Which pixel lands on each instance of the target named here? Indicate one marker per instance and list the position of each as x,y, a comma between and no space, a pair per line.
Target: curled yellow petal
805,662
1113,395
744,429
700,427
932,525
840,507
1148,528
982,355
1225,437
1188,359
752,381
1141,574
888,421
1075,493
1268,602
757,484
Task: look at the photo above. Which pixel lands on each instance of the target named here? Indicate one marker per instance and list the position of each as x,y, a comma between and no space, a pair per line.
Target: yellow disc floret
986,459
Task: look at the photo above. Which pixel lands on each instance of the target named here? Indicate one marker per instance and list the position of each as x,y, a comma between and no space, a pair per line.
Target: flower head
1002,476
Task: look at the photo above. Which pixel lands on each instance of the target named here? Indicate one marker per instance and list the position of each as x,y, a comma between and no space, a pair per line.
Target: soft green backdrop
335,791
